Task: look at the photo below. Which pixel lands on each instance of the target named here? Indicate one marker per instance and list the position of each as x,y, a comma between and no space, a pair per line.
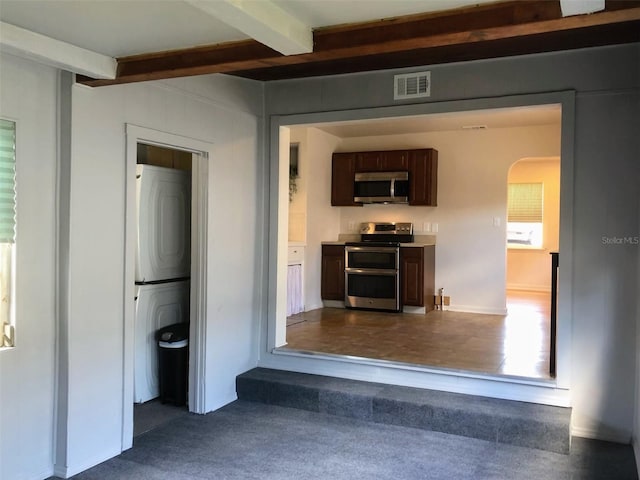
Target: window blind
524,203
7,181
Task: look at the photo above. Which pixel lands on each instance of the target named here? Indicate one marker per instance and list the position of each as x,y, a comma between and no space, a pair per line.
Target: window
524,214
7,229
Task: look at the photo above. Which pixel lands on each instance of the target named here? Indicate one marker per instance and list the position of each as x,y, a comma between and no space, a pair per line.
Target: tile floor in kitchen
516,344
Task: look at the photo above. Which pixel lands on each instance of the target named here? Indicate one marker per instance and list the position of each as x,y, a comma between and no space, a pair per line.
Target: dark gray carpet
505,421
246,440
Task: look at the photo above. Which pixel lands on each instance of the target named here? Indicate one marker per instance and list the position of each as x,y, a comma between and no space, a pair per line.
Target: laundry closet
163,256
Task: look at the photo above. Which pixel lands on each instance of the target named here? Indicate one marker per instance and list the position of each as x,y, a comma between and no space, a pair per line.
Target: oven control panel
386,228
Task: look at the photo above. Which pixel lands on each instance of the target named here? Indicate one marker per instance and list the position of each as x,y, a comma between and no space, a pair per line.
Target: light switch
426,227
434,227
496,221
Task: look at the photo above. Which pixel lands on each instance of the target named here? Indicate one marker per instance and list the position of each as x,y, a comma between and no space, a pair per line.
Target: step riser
377,404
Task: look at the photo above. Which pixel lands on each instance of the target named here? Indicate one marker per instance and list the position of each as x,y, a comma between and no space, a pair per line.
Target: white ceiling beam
25,43
580,7
262,20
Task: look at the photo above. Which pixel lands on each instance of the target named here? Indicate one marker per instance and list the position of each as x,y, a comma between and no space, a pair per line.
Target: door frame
202,152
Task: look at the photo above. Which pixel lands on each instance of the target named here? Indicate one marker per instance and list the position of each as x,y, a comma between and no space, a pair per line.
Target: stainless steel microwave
381,187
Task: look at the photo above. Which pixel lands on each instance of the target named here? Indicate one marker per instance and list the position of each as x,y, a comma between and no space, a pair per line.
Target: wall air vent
412,85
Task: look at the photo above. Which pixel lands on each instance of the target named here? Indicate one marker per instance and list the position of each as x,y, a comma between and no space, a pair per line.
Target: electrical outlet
442,300
434,227
352,226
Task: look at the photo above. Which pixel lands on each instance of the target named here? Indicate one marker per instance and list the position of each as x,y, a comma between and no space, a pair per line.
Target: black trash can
173,363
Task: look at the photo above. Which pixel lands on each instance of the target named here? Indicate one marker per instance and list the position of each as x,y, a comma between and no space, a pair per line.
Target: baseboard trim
219,402
308,308
529,288
71,470
476,309
415,310
604,435
332,304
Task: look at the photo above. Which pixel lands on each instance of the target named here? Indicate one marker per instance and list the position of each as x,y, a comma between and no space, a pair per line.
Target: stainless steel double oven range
372,266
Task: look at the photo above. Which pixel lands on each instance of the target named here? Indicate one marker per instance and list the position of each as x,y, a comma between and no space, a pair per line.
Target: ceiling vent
412,85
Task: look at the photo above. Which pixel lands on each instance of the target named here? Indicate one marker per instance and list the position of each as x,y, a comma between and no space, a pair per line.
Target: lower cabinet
417,276
332,281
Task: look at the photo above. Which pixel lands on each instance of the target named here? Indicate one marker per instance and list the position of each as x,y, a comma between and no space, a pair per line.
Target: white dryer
157,305
164,223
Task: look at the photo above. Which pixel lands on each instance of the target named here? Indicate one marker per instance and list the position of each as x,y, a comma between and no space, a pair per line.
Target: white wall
28,95
530,269
323,220
473,167
298,202
221,110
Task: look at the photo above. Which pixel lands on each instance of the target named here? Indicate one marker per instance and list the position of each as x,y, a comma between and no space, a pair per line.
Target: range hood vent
412,85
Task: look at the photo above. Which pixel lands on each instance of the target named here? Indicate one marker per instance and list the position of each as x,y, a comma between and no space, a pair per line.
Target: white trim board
499,387
529,288
508,388
475,309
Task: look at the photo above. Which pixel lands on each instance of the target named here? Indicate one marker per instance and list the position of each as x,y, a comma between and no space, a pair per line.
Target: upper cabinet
423,177
386,161
343,170
368,161
421,164
395,161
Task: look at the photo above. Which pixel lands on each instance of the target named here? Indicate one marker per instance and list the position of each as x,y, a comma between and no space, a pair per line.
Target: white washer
157,306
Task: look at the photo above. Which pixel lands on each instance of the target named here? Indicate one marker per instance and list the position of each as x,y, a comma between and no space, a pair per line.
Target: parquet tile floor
516,344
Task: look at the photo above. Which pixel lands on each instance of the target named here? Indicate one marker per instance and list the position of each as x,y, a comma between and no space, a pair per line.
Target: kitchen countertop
419,240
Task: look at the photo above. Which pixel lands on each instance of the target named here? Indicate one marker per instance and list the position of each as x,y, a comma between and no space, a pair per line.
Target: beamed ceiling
107,42
471,33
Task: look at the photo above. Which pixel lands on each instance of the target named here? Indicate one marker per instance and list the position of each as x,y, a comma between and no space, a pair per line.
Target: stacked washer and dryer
163,266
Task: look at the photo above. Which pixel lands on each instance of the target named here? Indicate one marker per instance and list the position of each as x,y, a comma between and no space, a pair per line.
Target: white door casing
202,152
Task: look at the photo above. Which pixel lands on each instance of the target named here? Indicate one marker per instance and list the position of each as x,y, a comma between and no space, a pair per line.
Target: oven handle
370,271
372,249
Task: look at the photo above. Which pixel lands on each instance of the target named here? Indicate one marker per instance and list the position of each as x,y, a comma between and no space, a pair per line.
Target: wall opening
314,361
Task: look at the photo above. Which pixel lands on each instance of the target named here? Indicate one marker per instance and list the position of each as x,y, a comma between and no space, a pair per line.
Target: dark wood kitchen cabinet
423,177
332,275
422,165
417,276
383,161
394,161
368,161
343,170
